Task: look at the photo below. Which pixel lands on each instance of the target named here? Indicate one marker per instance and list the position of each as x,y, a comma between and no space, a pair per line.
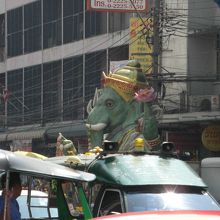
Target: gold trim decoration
125,87
154,142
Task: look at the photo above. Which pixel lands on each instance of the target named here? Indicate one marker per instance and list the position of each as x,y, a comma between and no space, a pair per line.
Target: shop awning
25,135
68,131
3,137
22,135
191,117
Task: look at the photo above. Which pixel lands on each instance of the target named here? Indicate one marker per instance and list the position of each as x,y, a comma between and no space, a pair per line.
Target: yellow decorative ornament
96,150
73,160
30,154
89,153
139,142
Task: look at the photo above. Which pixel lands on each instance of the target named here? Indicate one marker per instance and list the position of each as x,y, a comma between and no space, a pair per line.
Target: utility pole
156,42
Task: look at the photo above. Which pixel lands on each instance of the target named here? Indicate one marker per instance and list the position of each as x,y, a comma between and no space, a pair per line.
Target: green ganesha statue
122,111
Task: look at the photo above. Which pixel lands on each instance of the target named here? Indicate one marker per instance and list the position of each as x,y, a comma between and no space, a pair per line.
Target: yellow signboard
211,138
140,47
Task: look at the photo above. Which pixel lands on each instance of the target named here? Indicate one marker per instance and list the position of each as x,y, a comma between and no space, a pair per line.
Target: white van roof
210,162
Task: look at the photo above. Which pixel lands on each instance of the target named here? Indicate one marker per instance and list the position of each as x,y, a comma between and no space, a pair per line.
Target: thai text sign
118,5
211,138
140,47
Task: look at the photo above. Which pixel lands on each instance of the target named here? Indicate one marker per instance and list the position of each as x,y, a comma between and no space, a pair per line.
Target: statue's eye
109,103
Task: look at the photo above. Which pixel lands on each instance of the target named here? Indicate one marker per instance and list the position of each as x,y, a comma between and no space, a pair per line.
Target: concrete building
191,53
52,53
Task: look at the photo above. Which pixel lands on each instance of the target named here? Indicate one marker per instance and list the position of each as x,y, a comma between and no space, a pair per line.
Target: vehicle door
108,201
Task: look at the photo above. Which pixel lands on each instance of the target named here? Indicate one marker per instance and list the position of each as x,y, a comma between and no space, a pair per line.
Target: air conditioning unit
199,103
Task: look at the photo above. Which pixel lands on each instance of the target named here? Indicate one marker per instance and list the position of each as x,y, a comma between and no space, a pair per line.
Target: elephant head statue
115,115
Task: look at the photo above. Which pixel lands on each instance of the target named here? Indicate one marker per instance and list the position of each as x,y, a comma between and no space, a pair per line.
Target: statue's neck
118,133
128,124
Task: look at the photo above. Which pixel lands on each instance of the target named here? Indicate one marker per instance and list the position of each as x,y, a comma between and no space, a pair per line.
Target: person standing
14,191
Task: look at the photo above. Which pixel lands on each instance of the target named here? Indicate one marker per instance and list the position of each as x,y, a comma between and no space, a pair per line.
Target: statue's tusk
95,98
89,106
96,127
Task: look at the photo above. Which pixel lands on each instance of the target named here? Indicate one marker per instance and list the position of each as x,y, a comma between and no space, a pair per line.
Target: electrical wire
175,35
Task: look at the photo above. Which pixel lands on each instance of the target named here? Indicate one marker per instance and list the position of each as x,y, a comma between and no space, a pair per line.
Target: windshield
170,201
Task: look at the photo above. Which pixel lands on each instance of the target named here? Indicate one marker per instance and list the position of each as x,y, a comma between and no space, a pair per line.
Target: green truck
139,181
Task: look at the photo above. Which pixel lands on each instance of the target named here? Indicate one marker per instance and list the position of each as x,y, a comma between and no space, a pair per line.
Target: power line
107,41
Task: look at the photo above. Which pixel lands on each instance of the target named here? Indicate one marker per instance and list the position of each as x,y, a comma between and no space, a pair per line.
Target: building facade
190,58
52,54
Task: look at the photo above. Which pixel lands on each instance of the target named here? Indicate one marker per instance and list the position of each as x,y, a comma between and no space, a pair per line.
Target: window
3,99
110,203
73,199
32,95
72,20
218,56
15,28
2,37
95,64
73,88
151,201
51,23
15,101
32,27
52,91
118,53
96,23
39,201
118,21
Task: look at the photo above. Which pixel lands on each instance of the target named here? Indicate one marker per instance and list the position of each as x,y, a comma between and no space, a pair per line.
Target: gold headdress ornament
126,80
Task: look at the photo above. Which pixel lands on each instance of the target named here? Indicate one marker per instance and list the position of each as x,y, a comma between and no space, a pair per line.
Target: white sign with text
118,5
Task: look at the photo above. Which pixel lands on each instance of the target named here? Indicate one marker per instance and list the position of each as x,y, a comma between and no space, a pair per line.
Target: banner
140,47
117,5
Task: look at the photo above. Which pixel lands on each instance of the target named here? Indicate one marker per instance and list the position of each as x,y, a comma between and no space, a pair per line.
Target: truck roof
128,170
133,170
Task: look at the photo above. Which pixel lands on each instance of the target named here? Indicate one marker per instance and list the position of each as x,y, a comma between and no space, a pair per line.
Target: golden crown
127,80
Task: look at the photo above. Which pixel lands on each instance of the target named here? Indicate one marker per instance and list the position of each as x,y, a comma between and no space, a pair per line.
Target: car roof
164,215
24,192
10,161
213,162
